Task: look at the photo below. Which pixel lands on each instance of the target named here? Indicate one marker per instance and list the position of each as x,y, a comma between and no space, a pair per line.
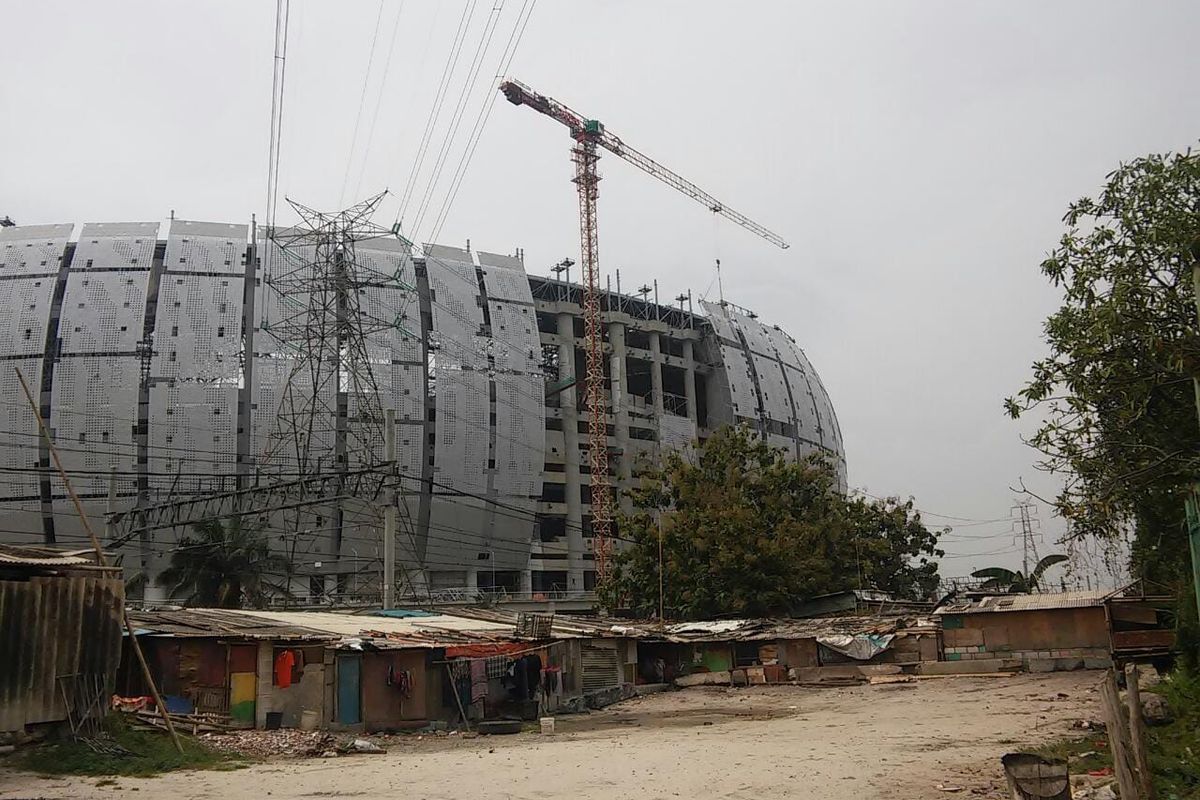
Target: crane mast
589,136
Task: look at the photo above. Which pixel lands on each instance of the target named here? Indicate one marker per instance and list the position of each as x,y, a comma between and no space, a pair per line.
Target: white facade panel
102,312
93,415
32,249
27,302
209,247
198,327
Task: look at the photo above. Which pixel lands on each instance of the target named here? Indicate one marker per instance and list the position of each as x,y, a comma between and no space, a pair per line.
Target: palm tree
1006,580
226,564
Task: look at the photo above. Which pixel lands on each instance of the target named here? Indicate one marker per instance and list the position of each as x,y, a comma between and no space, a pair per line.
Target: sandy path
862,742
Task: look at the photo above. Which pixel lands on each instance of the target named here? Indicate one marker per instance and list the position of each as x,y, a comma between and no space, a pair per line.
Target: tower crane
590,135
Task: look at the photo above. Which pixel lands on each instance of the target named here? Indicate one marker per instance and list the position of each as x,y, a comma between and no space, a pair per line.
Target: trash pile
289,743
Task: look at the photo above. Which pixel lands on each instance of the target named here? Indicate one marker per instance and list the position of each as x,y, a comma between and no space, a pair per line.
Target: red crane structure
589,135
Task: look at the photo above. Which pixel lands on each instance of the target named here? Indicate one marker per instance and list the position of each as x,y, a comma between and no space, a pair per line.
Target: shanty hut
60,633
256,671
1062,630
774,650
1059,630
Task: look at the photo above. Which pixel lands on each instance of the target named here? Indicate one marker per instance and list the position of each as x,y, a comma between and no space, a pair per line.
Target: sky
918,156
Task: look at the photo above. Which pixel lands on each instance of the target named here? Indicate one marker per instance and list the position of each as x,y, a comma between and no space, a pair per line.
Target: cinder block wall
1079,634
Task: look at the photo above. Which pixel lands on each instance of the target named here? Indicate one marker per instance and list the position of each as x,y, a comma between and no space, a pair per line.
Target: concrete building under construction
157,361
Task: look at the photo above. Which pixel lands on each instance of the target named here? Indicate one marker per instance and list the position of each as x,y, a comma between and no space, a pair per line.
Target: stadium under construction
164,360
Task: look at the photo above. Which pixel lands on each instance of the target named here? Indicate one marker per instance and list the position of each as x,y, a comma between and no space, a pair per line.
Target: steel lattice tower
330,415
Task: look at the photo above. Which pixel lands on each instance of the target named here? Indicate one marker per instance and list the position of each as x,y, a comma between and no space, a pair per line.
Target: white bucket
547,724
309,720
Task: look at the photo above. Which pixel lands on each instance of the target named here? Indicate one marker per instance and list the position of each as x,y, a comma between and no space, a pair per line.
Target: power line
436,108
361,102
510,50
387,68
485,41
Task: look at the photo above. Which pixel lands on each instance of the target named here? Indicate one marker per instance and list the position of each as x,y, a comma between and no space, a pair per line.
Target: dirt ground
883,741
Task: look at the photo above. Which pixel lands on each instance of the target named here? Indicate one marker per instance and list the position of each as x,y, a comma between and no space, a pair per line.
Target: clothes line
512,654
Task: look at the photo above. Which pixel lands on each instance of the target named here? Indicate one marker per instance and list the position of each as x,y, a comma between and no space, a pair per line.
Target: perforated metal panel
93,415
116,244
197,331
774,389
677,433
32,249
193,437
741,384
19,441
519,437
791,392
456,537
457,314
208,247
30,258
102,312
26,302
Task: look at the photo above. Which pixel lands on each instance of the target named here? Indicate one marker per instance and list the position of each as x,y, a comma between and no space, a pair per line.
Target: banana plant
1000,579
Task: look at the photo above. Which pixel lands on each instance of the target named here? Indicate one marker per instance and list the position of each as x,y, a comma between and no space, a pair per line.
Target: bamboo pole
1137,732
100,559
1118,736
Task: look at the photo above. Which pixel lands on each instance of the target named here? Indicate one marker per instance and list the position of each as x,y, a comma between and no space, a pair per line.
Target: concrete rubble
291,743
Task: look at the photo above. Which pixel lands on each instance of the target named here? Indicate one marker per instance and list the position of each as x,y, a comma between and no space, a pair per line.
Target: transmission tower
1027,519
328,326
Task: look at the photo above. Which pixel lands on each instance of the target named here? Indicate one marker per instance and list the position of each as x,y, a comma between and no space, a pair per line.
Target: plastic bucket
547,724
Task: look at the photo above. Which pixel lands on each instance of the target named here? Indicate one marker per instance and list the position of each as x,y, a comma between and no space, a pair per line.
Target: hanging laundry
479,680
283,668
497,666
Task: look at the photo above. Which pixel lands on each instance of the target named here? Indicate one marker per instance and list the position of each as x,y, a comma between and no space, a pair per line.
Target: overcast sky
917,155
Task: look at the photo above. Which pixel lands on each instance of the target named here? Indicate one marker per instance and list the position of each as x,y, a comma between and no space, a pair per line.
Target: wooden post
1118,736
457,699
100,560
1137,732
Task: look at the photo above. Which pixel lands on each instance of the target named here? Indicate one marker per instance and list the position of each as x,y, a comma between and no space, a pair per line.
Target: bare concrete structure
159,378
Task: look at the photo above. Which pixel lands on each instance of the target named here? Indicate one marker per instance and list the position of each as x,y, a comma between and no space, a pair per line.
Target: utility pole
389,512
661,567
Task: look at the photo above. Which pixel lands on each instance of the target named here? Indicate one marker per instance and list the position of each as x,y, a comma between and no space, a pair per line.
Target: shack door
600,670
349,688
243,682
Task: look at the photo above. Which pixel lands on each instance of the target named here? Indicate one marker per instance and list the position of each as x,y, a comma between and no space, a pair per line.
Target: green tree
1115,395
224,564
893,550
1007,580
747,532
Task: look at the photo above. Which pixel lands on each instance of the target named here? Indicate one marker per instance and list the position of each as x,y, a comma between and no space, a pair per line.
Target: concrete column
689,378
656,380
472,579
526,582
620,396
570,417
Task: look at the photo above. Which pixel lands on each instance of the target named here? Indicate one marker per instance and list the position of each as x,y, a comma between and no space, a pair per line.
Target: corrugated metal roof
1025,602
352,624
436,630
24,555
199,622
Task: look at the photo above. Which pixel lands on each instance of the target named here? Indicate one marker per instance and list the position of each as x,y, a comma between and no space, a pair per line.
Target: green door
349,690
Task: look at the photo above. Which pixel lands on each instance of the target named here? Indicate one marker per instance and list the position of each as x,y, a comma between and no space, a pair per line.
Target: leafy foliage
1116,390
1007,580
225,564
746,532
